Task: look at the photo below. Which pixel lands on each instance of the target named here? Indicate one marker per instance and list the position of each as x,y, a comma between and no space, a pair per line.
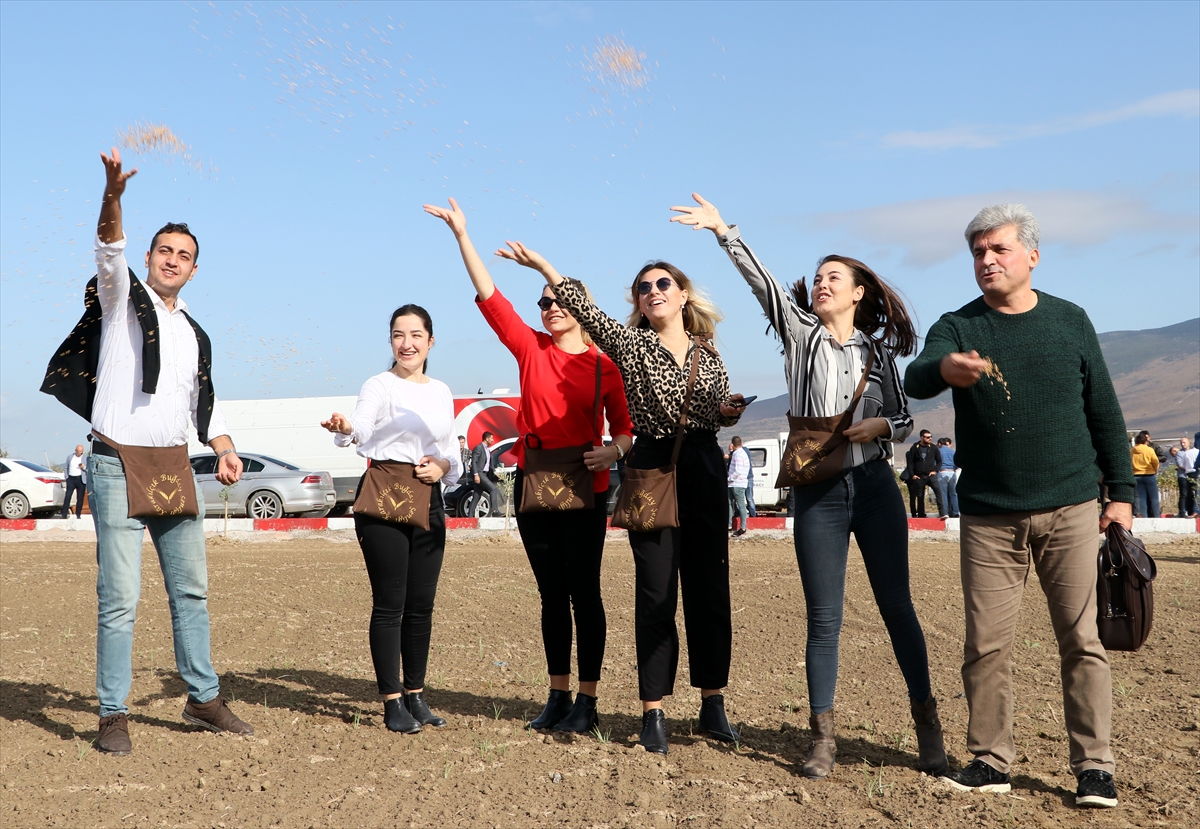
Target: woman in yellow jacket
1145,473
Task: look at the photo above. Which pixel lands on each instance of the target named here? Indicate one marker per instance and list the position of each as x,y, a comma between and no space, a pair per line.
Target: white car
29,488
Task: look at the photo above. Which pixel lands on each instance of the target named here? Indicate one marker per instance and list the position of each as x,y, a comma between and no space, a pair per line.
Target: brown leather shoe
931,749
215,716
820,760
114,735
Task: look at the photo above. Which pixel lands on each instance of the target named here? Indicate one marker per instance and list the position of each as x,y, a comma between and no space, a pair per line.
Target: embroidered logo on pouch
162,491
643,509
395,503
556,491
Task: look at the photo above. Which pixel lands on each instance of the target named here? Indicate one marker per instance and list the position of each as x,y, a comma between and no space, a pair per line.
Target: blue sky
317,130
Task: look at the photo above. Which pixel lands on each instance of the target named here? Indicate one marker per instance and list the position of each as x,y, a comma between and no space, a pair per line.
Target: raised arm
789,321
457,221
109,228
610,335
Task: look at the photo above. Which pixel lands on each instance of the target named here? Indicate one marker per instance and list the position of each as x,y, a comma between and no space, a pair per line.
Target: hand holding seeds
963,370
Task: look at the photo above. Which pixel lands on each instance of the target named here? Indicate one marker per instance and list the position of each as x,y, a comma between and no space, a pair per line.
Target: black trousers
916,495
565,549
694,555
403,564
74,484
486,484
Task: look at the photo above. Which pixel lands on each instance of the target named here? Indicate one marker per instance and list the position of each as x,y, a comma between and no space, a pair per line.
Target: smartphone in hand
747,401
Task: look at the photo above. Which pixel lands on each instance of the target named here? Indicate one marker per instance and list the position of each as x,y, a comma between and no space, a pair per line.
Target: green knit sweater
1040,428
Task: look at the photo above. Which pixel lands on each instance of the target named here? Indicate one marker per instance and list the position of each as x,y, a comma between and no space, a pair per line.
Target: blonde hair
700,315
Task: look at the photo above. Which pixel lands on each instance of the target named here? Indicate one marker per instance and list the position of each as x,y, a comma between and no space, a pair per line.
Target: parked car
269,488
28,488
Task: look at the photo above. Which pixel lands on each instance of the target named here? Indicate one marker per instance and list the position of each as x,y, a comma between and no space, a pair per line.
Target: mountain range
1156,374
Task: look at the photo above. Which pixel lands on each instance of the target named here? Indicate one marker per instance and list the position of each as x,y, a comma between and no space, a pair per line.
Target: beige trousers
995,553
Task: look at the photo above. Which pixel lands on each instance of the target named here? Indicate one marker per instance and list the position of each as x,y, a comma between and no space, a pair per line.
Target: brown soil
289,637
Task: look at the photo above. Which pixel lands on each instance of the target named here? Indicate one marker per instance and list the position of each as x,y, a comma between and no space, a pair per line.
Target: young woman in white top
403,415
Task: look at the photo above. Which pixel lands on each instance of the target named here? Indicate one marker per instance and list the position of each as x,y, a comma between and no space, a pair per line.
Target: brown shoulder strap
862,383
687,403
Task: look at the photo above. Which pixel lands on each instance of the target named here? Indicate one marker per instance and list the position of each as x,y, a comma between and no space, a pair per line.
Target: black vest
72,372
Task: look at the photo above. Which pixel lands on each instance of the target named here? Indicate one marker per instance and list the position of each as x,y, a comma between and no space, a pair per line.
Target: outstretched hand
115,184
704,217
338,423
522,255
454,217
963,370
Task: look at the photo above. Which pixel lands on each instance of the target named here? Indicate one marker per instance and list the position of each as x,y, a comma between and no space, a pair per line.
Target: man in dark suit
483,476
922,466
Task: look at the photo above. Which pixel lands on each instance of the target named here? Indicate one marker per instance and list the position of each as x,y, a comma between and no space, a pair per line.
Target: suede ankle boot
931,750
582,718
821,755
397,718
415,703
557,707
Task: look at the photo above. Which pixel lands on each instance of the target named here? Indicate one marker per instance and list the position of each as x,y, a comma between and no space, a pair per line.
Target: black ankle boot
415,703
654,731
714,721
397,718
582,717
557,707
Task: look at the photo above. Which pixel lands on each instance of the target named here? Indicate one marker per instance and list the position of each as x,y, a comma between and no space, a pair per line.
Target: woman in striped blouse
827,340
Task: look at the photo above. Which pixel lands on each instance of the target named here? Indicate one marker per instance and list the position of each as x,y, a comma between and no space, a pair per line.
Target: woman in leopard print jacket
654,352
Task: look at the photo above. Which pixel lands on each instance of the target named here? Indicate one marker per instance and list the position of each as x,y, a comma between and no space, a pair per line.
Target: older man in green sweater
1029,381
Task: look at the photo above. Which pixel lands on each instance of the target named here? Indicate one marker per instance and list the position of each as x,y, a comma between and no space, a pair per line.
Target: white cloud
1184,102
930,231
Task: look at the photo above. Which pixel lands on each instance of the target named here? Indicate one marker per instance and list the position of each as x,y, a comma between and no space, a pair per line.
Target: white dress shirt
75,464
399,420
121,410
739,468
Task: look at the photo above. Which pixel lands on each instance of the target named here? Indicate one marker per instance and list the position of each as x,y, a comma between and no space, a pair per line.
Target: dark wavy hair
177,227
880,314
416,311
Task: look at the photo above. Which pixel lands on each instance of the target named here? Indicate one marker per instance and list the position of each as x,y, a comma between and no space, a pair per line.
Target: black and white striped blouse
822,373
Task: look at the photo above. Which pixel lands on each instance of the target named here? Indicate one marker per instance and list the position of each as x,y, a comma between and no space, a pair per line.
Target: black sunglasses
545,302
662,283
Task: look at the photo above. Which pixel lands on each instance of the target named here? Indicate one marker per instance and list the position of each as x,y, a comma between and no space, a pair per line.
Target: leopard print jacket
654,383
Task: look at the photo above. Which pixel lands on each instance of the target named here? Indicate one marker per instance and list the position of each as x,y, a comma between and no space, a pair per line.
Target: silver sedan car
269,488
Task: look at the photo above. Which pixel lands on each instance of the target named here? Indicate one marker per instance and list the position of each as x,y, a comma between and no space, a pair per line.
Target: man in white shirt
739,471
152,383
73,471
1185,467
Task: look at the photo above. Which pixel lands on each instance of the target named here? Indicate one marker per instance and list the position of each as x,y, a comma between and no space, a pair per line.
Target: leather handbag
158,480
1124,590
816,446
391,491
559,479
648,500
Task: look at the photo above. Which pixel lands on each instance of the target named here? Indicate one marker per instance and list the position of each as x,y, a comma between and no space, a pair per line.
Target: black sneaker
1096,789
978,777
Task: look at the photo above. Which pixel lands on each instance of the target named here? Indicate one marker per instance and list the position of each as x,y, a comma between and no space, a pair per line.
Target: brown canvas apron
158,480
391,491
648,500
559,479
816,446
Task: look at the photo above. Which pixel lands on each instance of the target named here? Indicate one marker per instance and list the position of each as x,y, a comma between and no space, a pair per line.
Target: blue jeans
863,500
947,484
750,499
180,546
737,501
1147,495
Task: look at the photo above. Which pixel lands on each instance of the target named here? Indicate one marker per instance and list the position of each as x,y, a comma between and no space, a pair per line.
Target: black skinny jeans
565,549
403,564
695,555
864,501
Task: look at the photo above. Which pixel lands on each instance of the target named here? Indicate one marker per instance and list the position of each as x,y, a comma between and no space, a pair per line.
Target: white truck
765,456
290,429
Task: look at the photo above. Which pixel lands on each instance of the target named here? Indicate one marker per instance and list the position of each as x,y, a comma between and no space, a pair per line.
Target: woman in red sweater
559,409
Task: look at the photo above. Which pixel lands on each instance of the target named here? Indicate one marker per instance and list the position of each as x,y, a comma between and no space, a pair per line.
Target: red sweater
558,390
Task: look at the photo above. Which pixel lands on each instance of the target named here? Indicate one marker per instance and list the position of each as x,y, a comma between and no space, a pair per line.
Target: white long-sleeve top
739,468
121,410
399,420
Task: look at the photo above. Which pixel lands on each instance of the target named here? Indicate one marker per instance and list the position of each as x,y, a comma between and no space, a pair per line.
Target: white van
765,457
